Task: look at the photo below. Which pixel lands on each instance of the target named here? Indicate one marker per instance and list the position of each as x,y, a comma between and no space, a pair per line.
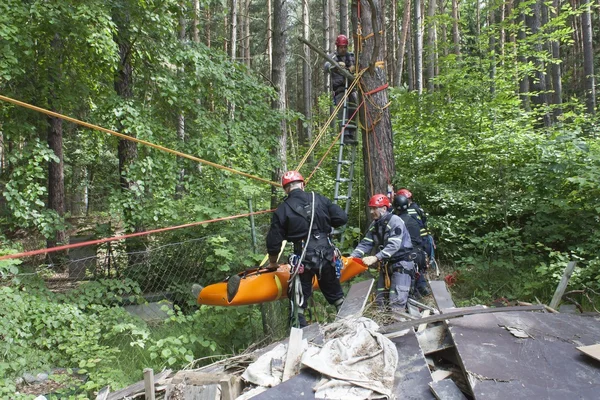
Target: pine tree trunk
539,83
524,80
378,147
280,15
247,54
455,31
403,38
431,35
306,73
418,55
56,178
195,21
392,60
343,4
233,30
588,60
556,70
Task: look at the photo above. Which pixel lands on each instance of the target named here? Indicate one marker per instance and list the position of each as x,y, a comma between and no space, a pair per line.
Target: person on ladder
306,220
339,84
388,237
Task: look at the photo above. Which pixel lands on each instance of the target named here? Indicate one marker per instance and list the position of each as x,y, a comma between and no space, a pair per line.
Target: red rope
131,235
379,89
377,145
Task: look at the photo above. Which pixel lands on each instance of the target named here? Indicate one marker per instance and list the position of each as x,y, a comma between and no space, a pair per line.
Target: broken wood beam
294,354
149,384
390,330
562,285
136,387
320,52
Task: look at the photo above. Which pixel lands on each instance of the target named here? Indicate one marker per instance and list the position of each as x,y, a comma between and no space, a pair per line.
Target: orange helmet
341,40
379,200
291,176
404,192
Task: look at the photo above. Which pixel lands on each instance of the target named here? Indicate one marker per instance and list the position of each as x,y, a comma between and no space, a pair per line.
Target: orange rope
132,139
131,235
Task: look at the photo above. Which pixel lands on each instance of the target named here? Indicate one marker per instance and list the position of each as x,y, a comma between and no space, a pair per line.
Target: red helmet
291,176
379,200
404,192
342,40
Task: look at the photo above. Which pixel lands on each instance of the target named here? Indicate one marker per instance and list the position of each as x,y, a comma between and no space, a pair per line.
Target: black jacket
291,220
414,229
338,81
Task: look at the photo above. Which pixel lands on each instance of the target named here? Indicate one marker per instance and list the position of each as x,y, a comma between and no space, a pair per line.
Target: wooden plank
149,384
441,295
103,393
547,366
562,285
422,327
294,353
197,378
136,387
399,326
412,373
231,388
446,390
592,351
434,338
356,299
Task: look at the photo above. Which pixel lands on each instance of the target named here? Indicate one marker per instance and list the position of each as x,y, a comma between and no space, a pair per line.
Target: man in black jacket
306,220
421,245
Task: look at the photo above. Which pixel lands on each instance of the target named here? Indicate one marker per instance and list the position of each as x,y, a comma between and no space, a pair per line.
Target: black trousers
318,261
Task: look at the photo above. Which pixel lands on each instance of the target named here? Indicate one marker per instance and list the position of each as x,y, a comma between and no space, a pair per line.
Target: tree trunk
588,60
410,60
280,16
418,55
455,31
431,35
306,73
233,30
326,42
343,4
393,57
247,55
556,72
492,43
403,37
524,80
195,21
270,35
56,178
179,188
539,83
378,147
443,27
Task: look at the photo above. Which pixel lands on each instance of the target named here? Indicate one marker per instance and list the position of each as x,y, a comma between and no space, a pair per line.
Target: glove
352,69
370,260
342,64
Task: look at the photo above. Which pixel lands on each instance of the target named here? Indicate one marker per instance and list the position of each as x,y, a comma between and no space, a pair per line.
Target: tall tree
378,152
56,177
278,77
344,20
306,73
431,45
455,30
403,38
539,82
556,65
418,54
588,59
233,29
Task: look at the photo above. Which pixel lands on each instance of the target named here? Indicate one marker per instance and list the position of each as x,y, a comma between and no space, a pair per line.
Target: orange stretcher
259,285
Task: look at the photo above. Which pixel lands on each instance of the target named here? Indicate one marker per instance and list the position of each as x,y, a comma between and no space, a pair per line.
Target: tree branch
320,52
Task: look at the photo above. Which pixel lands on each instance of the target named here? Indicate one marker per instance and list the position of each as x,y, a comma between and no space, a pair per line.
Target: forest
486,111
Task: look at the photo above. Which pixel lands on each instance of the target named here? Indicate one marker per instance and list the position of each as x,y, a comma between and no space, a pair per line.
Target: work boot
196,289
233,284
350,138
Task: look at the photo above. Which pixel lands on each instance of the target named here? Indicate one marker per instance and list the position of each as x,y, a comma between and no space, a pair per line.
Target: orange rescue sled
260,285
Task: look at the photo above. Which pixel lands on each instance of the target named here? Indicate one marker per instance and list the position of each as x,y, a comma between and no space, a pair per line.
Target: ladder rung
343,180
342,198
345,162
350,126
